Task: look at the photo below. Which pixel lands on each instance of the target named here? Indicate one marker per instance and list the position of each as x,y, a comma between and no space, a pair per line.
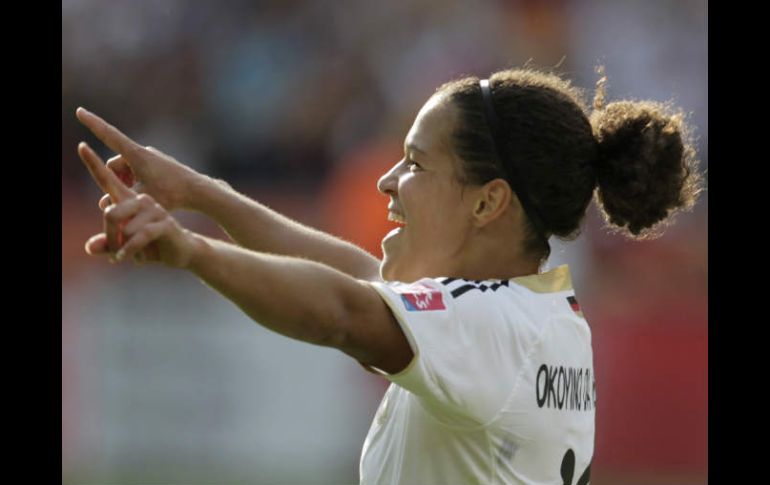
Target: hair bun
646,168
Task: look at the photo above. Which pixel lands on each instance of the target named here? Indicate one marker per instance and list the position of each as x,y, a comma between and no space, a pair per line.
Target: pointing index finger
108,134
104,177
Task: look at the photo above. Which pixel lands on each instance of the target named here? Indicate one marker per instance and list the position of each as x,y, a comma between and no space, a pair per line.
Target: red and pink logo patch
419,298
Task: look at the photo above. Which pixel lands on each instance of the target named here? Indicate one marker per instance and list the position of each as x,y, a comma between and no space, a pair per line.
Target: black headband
509,169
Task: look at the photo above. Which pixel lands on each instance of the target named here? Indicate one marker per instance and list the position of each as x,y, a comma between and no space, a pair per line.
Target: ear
491,201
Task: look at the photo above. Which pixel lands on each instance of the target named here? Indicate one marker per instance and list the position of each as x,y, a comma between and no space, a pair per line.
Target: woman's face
426,196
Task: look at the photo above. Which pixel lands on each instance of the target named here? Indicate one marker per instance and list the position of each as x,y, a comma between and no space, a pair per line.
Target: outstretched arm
256,226
301,299
247,222
306,301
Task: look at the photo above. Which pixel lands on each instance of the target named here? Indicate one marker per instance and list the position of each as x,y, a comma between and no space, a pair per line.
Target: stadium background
302,104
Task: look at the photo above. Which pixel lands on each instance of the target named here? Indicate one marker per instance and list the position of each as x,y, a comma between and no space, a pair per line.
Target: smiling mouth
397,218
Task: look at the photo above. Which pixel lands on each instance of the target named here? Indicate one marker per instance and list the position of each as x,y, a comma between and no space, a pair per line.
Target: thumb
97,245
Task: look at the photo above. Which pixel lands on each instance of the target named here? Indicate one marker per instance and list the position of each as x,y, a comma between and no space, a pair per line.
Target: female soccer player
490,360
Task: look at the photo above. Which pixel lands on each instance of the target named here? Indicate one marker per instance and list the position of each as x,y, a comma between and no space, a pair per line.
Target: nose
388,183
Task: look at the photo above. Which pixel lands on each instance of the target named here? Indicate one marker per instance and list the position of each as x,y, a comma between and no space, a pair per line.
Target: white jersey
500,391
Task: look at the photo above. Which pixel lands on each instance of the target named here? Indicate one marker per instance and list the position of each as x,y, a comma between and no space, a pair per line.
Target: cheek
437,220
435,216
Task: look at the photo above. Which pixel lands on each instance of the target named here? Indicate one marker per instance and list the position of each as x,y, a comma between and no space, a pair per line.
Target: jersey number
568,470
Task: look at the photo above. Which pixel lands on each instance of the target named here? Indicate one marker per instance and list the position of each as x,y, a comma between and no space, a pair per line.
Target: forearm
300,299
257,227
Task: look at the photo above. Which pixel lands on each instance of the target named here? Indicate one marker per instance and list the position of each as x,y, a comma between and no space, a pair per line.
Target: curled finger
117,215
105,201
141,239
141,219
113,229
122,169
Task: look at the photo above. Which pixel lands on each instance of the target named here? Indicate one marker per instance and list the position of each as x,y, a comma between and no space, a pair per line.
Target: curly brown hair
636,156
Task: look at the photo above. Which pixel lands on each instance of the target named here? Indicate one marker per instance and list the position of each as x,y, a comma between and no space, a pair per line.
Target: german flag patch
575,305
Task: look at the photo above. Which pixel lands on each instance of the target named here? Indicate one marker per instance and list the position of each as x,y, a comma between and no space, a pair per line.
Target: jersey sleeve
467,354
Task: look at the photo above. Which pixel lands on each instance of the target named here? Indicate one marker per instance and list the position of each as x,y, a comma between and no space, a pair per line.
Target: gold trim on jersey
557,279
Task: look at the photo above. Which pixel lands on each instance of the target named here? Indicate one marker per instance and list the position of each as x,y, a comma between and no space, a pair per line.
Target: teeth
396,218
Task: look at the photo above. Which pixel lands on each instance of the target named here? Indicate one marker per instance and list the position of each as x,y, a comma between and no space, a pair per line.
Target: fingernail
120,255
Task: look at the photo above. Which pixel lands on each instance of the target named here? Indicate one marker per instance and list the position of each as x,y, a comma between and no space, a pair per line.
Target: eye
412,165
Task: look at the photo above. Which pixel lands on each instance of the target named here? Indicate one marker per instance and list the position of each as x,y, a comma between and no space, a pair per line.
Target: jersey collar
557,279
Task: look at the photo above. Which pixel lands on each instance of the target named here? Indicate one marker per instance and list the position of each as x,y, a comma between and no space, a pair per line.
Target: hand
149,231
144,169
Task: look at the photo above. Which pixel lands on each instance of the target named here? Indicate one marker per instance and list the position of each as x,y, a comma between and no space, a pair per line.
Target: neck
495,252
494,265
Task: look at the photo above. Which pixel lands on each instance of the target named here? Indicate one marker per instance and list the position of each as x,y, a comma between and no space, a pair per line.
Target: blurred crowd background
302,104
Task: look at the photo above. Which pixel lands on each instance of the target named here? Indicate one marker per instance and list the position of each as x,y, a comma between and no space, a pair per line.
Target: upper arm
371,332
